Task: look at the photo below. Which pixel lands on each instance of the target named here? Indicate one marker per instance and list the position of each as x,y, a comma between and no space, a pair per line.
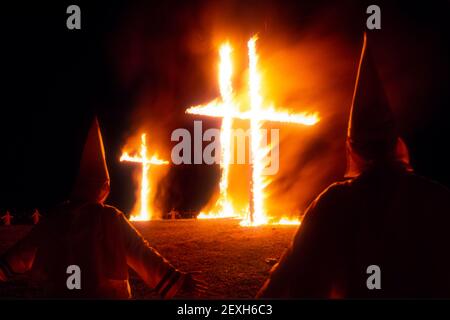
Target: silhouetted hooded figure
36,216
93,236
384,216
7,218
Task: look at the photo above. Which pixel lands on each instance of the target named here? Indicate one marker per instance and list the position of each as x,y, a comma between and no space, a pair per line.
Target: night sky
55,80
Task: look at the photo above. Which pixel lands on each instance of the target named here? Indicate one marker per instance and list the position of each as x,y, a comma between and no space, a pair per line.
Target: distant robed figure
36,216
7,218
384,216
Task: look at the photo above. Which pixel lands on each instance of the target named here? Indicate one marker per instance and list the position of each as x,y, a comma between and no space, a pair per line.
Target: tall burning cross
144,211
226,109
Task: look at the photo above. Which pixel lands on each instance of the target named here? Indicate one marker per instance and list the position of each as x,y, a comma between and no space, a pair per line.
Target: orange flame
257,114
145,212
223,207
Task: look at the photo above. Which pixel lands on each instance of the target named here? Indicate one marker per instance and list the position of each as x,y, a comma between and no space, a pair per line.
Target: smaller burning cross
144,212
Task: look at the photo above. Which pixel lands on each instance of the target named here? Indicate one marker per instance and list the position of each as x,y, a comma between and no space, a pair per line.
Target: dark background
55,80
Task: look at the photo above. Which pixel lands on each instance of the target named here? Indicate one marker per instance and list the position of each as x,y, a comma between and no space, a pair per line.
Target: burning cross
142,158
226,109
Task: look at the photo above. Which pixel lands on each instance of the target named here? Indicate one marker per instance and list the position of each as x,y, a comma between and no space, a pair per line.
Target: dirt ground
232,259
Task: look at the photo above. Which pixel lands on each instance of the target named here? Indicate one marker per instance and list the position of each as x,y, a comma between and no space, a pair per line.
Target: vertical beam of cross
143,159
226,91
258,153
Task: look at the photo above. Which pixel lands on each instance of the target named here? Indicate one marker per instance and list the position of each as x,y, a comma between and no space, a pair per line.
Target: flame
257,214
145,212
287,221
225,108
269,114
223,207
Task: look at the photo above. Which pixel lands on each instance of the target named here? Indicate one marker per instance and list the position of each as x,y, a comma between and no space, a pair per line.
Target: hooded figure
384,232
7,218
95,237
36,216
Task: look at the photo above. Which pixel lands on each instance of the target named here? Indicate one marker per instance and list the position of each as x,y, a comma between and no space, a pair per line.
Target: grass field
232,259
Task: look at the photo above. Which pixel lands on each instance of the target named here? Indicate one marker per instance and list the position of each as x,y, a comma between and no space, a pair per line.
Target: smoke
313,74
